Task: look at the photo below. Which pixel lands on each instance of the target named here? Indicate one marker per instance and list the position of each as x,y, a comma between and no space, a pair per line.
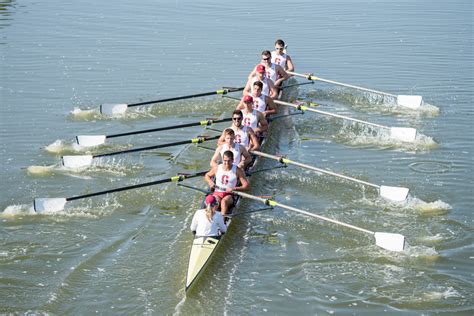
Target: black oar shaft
223,91
141,185
198,140
201,123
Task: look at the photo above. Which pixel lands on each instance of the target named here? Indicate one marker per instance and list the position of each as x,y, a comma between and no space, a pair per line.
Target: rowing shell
203,248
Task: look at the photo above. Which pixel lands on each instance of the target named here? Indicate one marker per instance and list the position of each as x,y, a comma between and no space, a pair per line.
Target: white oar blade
410,101
405,134
90,140
396,194
113,109
77,161
389,241
49,204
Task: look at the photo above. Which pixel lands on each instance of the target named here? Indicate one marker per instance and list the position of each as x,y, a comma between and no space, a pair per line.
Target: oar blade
404,134
390,241
410,101
90,140
396,194
113,109
75,162
49,204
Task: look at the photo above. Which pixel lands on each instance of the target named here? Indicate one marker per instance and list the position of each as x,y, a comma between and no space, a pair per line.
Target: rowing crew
248,124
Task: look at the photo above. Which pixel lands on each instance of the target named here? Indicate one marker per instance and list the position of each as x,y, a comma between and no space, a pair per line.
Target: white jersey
226,179
265,90
201,225
242,136
250,119
271,72
259,103
279,59
235,150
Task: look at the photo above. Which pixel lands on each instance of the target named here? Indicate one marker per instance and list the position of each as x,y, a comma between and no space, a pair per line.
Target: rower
273,71
253,118
241,155
208,222
244,135
279,56
269,88
228,177
261,103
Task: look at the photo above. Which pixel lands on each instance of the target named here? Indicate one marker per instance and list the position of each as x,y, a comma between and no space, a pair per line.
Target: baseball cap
260,68
248,99
211,200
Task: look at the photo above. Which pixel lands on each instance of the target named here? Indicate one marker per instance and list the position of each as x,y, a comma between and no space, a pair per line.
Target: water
127,253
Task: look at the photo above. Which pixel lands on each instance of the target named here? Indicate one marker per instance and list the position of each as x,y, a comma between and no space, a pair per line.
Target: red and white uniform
250,119
271,73
279,59
266,89
259,103
235,150
242,136
225,179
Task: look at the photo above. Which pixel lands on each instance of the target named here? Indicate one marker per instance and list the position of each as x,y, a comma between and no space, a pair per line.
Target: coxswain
281,58
253,118
208,222
269,88
261,102
273,71
244,135
228,177
241,155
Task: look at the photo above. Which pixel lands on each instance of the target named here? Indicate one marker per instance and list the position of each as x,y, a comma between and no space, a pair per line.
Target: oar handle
305,108
198,140
302,165
177,178
201,123
223,91
314,78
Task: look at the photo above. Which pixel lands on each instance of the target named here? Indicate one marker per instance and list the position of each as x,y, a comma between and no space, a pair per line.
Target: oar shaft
198,140
302,165
158,129
294,209
141,185
223,91
305,108
314,78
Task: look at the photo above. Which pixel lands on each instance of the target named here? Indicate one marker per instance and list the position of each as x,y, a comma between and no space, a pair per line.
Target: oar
405,134
389,241
409,101
397,194
113,109
80,161
57,204
95,140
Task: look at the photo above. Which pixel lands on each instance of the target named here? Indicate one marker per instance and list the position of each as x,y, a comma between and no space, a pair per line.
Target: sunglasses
237,119
265,58
279,48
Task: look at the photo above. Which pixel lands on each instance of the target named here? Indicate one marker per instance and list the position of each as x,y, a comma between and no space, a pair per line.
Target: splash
110,166
18,210
370,102
427,208
366,136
